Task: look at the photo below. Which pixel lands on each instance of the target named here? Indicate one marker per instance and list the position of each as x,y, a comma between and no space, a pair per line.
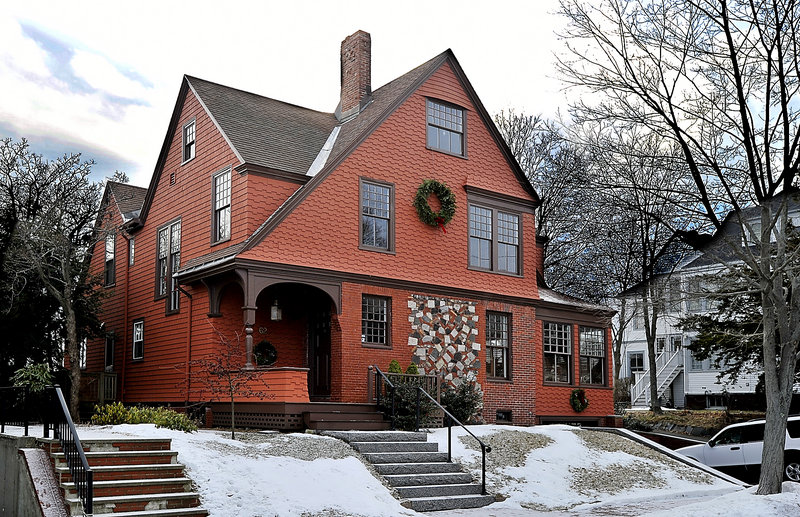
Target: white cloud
20,55
103,75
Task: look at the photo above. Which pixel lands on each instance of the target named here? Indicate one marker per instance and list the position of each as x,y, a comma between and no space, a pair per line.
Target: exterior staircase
344,417
414,467
133,477
669,364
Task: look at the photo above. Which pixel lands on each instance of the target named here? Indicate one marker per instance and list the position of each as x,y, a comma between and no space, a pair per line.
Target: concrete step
385,436
138,503
444,478
118,472
455,502
175,512
112,444
134,486
365,447
416,468
438,490
405,457
104,458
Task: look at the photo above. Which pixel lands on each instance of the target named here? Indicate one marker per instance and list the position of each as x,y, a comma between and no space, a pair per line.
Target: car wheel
791,469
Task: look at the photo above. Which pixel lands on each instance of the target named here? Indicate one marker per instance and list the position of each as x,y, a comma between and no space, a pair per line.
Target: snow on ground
545,470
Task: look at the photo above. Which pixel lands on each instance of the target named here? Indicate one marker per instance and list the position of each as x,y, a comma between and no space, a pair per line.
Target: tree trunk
74,351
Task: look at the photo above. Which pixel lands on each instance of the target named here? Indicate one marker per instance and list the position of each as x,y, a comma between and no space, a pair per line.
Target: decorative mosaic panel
443,334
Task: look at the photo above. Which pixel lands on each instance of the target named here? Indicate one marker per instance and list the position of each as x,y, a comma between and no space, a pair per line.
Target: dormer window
445,128
188,141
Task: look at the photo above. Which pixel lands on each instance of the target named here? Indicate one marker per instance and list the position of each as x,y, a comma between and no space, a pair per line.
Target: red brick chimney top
356,74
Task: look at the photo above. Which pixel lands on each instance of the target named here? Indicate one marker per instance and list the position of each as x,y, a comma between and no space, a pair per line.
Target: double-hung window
498,345
188,141
138,339
109,352
557,339
377,209
168,262
222,206
110,274
593,352
494,239
445,127
375,316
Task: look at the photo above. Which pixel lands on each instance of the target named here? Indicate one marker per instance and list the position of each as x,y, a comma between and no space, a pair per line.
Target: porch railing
64,431
383,387
100,387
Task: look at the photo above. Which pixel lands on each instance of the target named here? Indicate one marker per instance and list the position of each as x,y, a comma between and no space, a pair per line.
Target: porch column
249,321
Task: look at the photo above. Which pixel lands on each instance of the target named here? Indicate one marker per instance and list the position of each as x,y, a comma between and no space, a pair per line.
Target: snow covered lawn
545,470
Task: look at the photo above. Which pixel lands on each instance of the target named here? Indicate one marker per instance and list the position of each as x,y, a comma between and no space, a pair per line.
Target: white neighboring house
683,381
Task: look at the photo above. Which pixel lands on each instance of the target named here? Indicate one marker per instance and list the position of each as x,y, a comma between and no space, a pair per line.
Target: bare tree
53,237
222,376
720,79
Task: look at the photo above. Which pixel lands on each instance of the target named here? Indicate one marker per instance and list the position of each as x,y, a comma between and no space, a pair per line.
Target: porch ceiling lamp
275,313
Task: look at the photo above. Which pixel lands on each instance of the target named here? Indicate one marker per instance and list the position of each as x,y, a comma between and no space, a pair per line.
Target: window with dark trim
557,340
592,345
498,345
635,362
110,273
167,263
494,250
188,141
138,339
222,207
109,352
131,249
375,320
377,213
445,127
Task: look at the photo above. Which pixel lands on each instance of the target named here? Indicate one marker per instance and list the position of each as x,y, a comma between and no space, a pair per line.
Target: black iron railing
64,431
14,407
384,388
450,421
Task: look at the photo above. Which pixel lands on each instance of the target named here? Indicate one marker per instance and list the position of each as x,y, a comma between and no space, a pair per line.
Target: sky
101,77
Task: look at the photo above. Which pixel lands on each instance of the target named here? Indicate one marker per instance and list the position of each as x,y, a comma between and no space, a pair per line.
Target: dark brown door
319,349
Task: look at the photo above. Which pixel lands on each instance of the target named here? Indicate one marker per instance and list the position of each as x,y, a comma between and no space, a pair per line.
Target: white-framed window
188,141
557,340
445,127
138,339
636,362
222,206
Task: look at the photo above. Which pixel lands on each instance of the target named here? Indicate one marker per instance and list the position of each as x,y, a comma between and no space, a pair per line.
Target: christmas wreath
265,353
446,199
578,400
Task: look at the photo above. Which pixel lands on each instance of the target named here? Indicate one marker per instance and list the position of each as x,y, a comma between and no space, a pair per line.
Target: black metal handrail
12,410
381,378
64,430
450,420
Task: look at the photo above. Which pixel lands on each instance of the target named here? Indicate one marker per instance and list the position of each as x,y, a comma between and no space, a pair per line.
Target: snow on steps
421,475
133,477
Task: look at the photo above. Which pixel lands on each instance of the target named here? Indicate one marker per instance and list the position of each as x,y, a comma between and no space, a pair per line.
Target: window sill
594,386
137,360
558,384
110,285
221,241
376,345
448,153
492,271
184,162
499,380
378,250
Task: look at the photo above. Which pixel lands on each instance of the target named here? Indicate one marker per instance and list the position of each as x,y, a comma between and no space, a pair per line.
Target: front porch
297,416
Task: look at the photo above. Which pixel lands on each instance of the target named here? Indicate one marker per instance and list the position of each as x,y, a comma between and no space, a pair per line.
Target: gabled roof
264,131
129,199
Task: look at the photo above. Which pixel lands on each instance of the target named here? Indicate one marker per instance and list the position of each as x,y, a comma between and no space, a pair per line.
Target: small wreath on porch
446,198
265,354
578,400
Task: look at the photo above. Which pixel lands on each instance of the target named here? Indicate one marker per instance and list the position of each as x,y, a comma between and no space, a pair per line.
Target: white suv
736,450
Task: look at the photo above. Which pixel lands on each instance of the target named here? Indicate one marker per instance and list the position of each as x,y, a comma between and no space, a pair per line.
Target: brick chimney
356,74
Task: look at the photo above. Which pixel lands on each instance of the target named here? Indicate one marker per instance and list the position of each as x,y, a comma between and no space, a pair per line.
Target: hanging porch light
275,313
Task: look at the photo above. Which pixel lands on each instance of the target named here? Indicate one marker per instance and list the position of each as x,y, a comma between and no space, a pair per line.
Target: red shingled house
297,230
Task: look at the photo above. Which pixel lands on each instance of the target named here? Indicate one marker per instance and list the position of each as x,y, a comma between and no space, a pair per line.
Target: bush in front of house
464,401
116,413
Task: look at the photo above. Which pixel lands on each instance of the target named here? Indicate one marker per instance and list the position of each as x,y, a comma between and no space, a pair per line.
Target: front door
319,352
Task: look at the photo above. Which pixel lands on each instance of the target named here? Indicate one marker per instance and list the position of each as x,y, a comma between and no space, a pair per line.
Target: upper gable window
494,240
377,213
188,141
110,269
445,127
222,206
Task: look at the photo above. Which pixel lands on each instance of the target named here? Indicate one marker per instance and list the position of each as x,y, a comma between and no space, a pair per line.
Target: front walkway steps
420,474
133,477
